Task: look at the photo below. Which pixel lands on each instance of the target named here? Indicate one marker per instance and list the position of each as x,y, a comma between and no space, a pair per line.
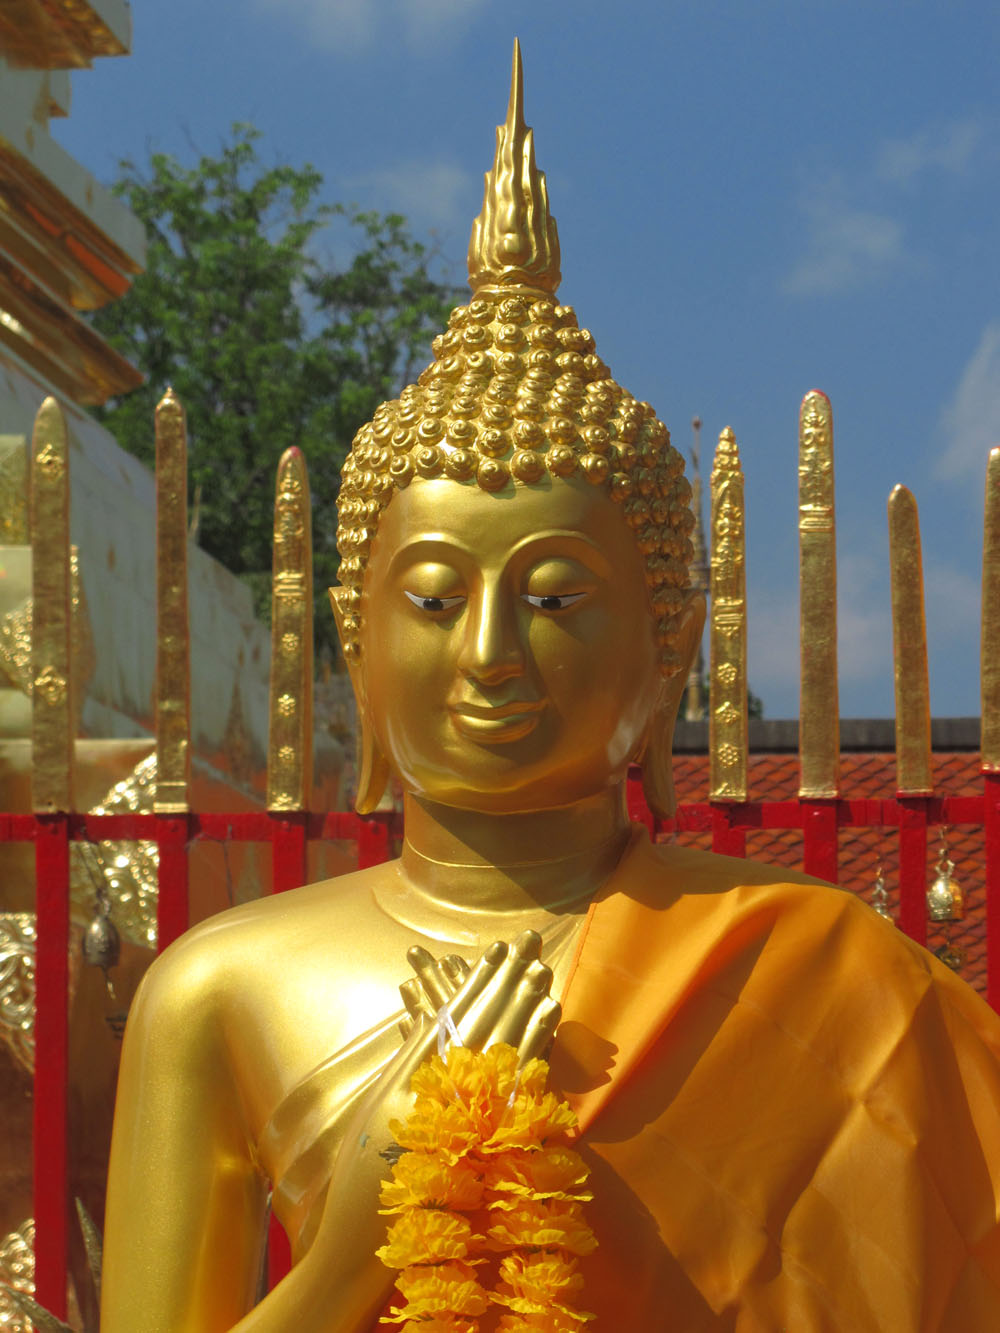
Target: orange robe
792,1112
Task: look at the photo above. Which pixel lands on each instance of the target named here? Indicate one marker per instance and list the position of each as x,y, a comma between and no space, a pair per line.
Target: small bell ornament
880,897
945,899
101,943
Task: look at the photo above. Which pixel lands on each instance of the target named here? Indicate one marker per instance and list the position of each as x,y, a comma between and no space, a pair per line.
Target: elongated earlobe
657,759
373,771
657,754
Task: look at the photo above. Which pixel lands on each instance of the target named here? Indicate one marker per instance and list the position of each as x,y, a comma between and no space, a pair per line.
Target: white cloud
434,194
971,421
950,148
845,246
349,25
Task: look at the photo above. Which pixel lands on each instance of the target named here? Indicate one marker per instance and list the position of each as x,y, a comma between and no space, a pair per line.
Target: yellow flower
443,1324
537,1323
543,1224
529,1122
451,1130
421,1180
427,1236
485,1134
435,1292
552,1172
541,1277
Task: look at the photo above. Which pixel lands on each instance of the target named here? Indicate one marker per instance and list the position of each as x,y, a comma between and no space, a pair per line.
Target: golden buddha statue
789,1111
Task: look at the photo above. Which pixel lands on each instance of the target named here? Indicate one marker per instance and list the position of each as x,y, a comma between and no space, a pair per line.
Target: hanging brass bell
945,899
101,943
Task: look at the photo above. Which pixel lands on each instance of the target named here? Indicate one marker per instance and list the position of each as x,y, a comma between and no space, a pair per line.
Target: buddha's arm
185,1201
186,1204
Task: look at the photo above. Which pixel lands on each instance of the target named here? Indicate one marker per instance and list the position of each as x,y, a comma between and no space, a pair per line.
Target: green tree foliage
266,345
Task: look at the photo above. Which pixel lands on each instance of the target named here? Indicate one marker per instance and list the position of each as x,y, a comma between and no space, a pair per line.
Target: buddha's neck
547,860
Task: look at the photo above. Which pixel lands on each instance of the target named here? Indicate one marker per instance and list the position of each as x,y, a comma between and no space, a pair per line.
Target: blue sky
754,199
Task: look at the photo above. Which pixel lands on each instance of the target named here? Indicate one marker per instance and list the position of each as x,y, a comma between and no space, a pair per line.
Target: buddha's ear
373,771
657,755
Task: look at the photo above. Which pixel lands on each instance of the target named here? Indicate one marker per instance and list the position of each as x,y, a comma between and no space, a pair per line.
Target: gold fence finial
290,731
990,641
819,711
914,761
173,634
514,242
728,627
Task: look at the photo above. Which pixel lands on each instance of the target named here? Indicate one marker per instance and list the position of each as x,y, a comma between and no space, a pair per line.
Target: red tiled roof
775,777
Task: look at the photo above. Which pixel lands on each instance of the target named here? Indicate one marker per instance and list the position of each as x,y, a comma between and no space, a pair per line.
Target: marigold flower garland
485,1170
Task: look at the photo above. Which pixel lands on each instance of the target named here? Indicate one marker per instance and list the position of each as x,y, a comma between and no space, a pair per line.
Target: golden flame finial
514,243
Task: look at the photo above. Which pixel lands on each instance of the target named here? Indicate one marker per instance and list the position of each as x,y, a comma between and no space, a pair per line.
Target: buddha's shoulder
695,871
257,938
710,882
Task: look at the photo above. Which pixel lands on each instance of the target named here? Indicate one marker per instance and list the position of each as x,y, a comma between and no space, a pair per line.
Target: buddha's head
515,608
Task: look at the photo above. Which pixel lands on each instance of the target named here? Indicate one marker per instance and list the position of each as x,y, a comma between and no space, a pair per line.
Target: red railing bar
373,843
50,1099
696,817
819,838
289,848
727,838
913,866
172,834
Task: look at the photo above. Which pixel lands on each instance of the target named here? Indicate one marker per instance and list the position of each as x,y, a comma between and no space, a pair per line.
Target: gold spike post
52,688
990,641
819,712
289,750
173,652
728,691
514,242
914,772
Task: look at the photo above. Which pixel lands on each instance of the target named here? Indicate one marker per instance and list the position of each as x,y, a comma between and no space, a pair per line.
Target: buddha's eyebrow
429,546
570,541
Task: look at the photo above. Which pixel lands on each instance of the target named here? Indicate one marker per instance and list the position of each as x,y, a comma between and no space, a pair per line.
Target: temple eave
63,34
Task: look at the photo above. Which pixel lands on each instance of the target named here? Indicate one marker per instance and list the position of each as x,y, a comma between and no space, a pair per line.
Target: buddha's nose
492,650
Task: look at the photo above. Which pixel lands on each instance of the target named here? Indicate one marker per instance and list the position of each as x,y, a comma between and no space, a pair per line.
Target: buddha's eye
432,604
552,601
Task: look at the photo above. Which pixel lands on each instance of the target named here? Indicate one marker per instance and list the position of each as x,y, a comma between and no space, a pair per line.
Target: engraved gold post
990,743
728,691
173,670
52,703
52,798
173,688
990,641
914,775
819,717
289,751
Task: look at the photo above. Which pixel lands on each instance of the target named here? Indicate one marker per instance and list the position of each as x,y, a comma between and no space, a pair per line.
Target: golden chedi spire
514,242
516,395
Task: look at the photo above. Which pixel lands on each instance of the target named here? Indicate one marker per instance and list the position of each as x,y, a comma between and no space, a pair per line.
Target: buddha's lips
497,722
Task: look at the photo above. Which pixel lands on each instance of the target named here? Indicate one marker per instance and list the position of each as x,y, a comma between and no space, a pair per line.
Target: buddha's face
508,657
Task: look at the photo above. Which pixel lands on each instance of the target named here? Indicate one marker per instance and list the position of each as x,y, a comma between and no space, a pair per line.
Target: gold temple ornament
945,899
990,635
51,677
914,764
880,897
728,721
173,667
289,753
819,714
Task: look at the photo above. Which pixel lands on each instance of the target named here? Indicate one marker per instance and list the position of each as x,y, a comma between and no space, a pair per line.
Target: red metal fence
289,835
